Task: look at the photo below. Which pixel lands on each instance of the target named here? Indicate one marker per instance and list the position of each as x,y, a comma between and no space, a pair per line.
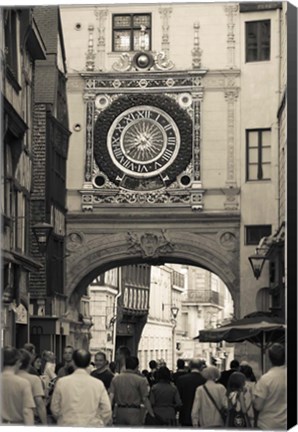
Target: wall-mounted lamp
257,261
174,311
42,232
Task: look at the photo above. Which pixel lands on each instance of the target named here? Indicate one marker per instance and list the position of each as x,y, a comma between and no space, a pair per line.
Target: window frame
11,43
257,226
260,147
259,41
131,28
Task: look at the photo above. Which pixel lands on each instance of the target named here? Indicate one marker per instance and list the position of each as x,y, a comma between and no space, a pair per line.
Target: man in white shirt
270,393
79,399
17,401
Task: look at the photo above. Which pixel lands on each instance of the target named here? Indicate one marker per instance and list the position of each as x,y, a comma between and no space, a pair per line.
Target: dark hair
29,347
69,346
180,363
236,381
37,356
248,372
145,372
131,362
277,354
152,364
81,358
25,358
164,374
10,356
234,364
124,350
112,366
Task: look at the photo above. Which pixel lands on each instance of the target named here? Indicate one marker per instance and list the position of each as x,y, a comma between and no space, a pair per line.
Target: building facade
178,115
50,149
208,92
22,46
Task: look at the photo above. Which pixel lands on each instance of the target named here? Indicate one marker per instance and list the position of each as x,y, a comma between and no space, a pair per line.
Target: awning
28,263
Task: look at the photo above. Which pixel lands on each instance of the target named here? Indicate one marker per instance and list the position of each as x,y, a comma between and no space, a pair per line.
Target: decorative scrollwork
150,244
162,62
123,64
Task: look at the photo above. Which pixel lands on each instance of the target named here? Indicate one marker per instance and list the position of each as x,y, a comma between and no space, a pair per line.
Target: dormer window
131,32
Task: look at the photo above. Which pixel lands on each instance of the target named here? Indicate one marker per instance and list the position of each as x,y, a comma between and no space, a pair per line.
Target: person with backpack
239,402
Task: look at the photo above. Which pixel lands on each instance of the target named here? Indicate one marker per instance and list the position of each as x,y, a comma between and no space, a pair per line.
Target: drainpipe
115,311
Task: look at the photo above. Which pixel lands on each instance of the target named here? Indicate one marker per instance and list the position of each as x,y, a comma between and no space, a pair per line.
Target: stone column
101,15
231,203
231,10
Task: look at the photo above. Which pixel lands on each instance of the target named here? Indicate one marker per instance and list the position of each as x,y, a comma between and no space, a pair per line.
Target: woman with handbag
240,407
210,402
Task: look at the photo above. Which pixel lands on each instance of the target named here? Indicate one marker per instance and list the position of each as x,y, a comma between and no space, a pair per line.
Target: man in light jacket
79,399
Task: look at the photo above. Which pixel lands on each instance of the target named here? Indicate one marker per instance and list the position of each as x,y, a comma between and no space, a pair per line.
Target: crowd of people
38,391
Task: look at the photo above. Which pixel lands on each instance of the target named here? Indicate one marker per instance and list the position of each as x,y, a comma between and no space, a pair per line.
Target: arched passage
102,252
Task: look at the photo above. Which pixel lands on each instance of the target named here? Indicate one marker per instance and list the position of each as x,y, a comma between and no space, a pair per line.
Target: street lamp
257,261
174,311
42,231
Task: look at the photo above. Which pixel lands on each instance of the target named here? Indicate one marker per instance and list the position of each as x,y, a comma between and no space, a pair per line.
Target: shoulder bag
222,411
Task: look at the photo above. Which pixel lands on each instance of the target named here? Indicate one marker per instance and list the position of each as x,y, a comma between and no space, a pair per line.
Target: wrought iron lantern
42,232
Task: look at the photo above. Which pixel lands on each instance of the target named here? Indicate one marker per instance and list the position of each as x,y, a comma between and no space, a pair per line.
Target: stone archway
216,250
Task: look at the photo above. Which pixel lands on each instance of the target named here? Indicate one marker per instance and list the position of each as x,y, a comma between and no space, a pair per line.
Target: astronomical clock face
142,142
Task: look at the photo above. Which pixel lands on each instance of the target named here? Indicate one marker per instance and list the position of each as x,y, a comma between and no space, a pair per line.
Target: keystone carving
150,244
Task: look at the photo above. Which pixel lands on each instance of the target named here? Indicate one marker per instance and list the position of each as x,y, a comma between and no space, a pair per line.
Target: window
258,154
257,41
10,30
132,32
254,233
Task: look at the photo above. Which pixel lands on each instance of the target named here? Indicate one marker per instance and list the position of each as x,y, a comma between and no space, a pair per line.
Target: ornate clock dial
143,141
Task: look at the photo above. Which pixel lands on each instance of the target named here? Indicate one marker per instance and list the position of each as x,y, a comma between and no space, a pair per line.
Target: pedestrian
102,371
210,401
152,375
129,391
40,415
250,382
187,385
112,367
17,401
121,355
164,398
270,392
31,350
67,367
180,370
36,365
238,404
225,375
48,374
80,399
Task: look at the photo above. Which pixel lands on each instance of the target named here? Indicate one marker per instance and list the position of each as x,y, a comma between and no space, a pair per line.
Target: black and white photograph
148,208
